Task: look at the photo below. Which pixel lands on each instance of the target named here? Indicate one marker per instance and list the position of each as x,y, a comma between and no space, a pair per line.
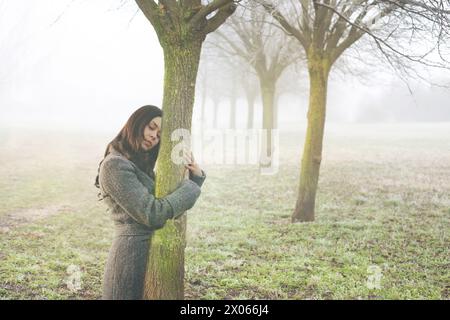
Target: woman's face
152,133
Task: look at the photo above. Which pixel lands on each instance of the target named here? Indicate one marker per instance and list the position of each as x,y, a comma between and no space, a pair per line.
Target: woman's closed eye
153,127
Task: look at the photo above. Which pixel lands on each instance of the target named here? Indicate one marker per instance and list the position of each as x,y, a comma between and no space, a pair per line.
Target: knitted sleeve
118,179
198,179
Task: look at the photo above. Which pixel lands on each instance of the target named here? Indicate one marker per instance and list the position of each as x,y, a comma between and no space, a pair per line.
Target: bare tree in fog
249,82
181,27
292,82
251,36
326,29
231,78
11,40
202,88
208,85
214,91
233,96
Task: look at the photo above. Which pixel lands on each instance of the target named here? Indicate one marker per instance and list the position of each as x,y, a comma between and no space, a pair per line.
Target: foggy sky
90,64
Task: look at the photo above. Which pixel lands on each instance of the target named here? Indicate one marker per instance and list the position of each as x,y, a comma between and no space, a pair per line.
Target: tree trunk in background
268,95
165,270
318,68
216,114
203,110
251,112
233,102
276,110
202,116
233,112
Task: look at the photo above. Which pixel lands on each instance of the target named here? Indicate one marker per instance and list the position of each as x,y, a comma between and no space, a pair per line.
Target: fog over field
383,205
72,73
89,64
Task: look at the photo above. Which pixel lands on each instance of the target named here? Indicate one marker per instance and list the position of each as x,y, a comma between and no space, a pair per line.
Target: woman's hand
191,165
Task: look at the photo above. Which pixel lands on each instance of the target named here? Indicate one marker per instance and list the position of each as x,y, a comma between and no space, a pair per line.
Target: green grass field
383,204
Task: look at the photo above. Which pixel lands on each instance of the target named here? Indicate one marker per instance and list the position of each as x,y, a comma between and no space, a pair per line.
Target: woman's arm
198,179
119,180
195,173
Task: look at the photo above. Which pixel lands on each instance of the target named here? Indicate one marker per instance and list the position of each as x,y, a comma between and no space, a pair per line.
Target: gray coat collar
114,152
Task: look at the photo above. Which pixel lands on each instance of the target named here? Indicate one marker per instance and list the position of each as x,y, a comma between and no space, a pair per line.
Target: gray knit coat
129,194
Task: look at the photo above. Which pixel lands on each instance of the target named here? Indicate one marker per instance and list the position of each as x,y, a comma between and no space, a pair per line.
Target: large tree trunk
268,95
165,270
312,153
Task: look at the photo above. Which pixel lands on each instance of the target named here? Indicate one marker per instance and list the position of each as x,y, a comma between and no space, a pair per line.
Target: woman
127,183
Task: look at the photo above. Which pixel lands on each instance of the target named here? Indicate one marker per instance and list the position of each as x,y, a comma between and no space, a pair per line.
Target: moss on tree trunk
165,269
318,68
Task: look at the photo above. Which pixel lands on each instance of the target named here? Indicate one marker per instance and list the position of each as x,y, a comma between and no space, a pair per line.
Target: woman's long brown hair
128,142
